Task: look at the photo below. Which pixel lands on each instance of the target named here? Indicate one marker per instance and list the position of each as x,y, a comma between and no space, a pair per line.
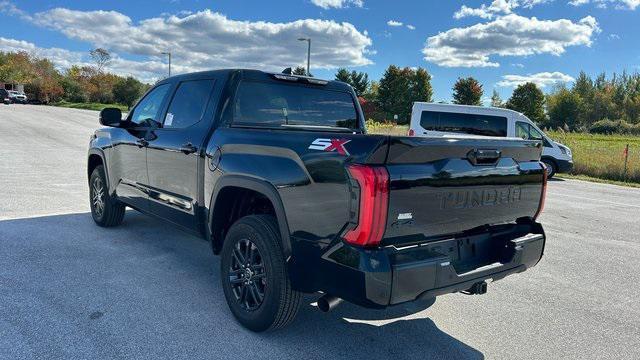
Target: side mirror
111,117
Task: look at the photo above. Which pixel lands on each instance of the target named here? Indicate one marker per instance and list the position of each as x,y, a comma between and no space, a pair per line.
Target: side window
522,130
474,124
189,104
534,134
150,106
429,120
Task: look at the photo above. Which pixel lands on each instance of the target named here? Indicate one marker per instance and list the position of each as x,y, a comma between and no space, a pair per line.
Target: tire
551,167
106,210
256,240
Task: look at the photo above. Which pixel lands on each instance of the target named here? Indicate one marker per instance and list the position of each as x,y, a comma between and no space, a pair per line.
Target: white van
429,120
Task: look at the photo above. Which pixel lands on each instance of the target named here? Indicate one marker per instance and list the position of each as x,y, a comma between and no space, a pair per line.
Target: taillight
374,200
411,132
543,195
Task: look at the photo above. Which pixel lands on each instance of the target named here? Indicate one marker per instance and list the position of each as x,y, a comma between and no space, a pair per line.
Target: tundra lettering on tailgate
468,199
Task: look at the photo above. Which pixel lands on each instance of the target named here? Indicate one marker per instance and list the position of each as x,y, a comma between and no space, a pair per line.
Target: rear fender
260,186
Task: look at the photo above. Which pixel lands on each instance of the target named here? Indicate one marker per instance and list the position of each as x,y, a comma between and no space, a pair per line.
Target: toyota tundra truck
277,172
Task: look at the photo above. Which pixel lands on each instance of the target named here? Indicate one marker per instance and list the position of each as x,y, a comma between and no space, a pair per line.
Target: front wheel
551,167
106,210
254,275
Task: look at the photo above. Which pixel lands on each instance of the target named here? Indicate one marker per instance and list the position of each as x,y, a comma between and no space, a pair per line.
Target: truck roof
253,74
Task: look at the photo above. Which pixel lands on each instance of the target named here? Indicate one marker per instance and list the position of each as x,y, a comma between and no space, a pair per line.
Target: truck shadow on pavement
70,289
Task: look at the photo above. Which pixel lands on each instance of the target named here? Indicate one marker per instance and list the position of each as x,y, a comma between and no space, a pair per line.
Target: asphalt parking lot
69,289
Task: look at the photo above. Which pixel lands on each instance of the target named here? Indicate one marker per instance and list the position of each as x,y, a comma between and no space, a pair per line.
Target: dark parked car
4,96
278,174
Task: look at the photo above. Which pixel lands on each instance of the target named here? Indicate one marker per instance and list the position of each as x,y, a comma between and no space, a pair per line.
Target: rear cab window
473,124
275,104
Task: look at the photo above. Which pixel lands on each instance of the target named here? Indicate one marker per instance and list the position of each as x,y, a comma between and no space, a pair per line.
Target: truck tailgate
444,186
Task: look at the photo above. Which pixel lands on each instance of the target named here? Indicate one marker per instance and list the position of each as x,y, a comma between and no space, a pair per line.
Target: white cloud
497,8
206,39
618,4
411,27
509,35
542,79
394,23
338,4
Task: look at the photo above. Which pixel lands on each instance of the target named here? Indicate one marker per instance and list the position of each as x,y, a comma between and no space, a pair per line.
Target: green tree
563,108
496,100
299,70
359,81
529,100
467,92
420,87
127,91
400,88
343,75
393,93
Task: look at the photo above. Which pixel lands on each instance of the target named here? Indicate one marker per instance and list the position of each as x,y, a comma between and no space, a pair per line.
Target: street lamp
308,40
169,54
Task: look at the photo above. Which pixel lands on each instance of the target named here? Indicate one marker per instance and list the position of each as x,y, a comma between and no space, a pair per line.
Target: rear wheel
106,210
254,275
551,167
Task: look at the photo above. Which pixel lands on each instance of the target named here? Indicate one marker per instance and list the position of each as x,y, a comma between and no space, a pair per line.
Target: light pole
308,40
169,54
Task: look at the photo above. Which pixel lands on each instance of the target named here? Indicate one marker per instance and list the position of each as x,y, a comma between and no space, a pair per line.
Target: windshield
274,104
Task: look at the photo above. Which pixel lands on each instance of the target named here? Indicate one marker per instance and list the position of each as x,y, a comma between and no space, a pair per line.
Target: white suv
17,97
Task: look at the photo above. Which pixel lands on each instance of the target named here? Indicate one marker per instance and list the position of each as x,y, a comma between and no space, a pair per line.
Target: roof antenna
287,71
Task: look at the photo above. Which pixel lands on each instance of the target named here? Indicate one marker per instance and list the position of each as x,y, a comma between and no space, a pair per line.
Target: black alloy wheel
247,275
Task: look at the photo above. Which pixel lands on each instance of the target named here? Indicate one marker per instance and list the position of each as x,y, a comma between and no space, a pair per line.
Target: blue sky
500,42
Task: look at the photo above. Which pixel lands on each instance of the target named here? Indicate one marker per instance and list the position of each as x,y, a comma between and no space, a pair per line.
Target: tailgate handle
484,156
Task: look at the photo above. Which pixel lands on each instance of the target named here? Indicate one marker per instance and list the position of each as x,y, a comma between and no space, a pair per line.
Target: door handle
142,142
188,148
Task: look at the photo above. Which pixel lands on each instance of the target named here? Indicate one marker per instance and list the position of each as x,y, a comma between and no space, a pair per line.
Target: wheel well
94,160
551,160
232,203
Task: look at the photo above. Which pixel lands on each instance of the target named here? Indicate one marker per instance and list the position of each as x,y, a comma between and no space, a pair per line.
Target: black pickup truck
278,174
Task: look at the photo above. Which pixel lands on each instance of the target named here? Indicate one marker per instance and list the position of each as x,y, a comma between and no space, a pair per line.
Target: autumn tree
467,91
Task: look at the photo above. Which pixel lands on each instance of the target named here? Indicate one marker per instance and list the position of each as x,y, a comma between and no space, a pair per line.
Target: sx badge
330,145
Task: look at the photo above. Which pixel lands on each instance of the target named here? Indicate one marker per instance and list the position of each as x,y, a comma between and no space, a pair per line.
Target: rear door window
274,104
188,104
474,124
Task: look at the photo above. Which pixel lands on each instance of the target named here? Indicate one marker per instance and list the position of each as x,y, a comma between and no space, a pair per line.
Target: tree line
78,84
601,105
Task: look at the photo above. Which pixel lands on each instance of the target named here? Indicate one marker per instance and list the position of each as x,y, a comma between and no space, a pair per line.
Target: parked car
278,174
428,119
17,97
4,96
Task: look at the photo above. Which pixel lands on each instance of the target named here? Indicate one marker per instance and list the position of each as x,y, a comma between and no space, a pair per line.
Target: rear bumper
389,276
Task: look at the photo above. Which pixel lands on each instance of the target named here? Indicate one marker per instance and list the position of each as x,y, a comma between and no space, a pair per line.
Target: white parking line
596,200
